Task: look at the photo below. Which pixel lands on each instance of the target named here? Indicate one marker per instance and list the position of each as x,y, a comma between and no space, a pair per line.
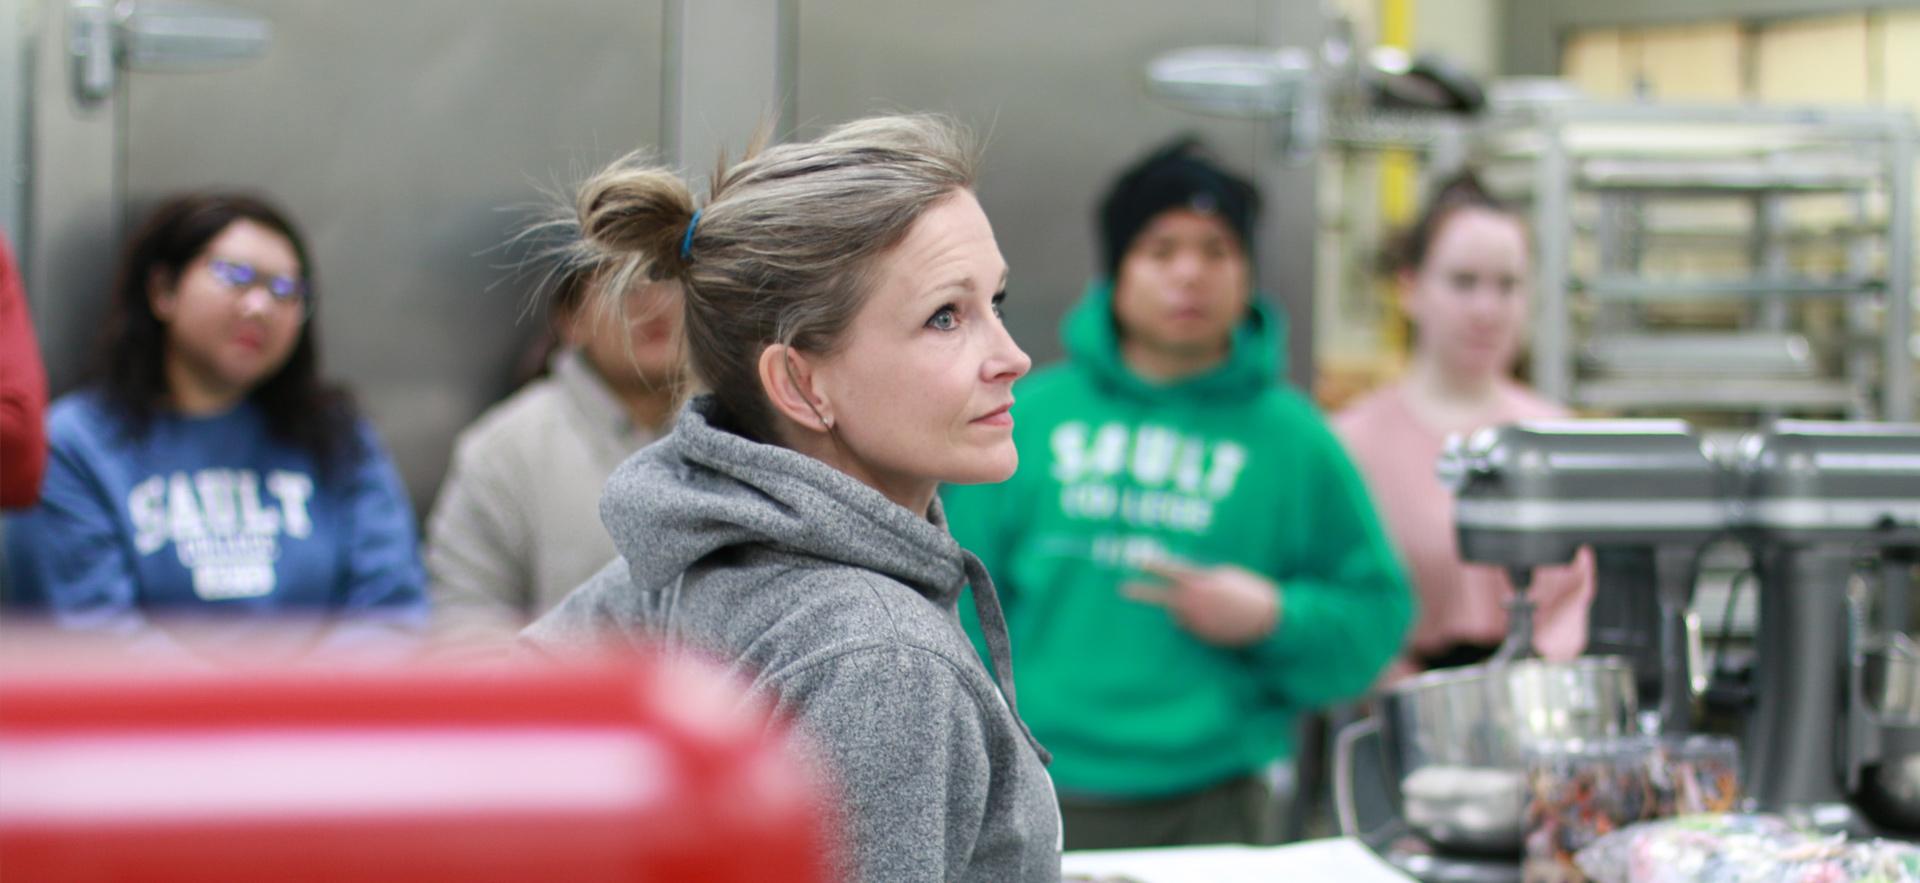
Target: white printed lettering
1109,453
1228,460
147,509
293,490
220,527
217,503
183,511
255,517
1089,501
1069,442
1153,451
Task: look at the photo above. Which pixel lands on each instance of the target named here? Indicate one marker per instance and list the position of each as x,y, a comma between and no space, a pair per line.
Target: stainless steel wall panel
1290,236
1056,87
727,61
72,204
401,135
16,57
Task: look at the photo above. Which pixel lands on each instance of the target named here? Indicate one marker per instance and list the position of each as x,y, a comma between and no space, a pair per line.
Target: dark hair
565,289
1180,174
570,289
1461,191
300,409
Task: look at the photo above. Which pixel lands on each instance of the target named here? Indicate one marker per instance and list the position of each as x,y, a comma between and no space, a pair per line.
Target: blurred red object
640,769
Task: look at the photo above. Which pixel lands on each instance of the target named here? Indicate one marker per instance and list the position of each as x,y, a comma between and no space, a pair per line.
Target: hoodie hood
1254,356
702,489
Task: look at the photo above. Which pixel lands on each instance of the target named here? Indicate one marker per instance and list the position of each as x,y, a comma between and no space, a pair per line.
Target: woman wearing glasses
209,495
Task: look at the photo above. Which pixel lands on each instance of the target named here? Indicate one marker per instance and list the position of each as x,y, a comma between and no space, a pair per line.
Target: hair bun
637,211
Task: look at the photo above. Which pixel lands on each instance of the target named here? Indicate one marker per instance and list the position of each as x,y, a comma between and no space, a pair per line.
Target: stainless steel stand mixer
1531,495
1831,515
1831,512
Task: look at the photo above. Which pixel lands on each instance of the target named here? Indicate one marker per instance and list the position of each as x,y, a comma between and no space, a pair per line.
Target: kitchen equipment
1528,495
1887,783
1831,512
1533,493
1448,749
1453,743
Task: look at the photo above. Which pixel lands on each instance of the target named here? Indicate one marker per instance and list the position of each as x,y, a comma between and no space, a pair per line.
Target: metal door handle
90,43
157,36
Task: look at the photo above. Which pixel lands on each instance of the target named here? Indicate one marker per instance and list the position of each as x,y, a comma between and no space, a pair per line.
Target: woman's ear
787,376
161,294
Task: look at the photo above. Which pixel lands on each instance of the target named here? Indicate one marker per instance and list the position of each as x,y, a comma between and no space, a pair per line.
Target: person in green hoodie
1187,559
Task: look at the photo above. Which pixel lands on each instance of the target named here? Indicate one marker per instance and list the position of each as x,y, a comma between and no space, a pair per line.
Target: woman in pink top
1462,273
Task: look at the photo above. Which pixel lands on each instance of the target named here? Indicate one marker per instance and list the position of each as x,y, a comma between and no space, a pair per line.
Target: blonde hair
785,245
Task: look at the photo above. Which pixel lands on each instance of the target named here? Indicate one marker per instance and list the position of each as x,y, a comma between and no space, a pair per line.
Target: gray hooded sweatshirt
839,605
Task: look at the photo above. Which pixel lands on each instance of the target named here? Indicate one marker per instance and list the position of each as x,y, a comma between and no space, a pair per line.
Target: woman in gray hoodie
842,302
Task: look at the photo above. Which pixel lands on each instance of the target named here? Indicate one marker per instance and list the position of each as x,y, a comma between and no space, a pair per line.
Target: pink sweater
1459,602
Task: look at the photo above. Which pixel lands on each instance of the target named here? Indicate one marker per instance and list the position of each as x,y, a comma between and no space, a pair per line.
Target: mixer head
1532,493
1806,482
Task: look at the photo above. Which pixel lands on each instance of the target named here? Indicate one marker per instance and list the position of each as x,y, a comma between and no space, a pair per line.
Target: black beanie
1176,176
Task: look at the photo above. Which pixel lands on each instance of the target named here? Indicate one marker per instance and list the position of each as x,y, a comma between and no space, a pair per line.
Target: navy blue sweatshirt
212,519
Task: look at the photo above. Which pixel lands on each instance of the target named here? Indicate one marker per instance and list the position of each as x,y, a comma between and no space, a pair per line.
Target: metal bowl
1456,740
1890,684
1891,680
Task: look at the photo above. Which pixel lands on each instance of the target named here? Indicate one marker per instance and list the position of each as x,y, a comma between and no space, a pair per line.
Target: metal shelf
1739,354
1716,394
1642,288
1655,173
1798,235
1638,129
1394,130
1765,365
1727,175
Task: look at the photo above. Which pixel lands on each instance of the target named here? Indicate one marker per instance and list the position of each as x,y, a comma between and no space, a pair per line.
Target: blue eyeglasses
240,276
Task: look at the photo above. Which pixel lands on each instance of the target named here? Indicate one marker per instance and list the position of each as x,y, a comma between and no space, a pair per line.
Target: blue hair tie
686,242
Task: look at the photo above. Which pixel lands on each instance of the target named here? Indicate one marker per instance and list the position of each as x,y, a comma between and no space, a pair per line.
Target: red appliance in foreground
630,770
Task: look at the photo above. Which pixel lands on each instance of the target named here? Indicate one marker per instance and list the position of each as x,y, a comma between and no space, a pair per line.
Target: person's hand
1226,606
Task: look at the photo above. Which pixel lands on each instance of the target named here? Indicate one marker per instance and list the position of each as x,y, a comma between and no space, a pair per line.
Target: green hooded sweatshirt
1227,467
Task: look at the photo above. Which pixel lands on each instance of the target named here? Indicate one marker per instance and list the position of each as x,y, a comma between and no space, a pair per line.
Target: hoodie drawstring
993,624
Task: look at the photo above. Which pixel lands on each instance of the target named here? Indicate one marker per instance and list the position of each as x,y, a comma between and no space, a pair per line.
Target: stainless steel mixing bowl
1889,789
1456,740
